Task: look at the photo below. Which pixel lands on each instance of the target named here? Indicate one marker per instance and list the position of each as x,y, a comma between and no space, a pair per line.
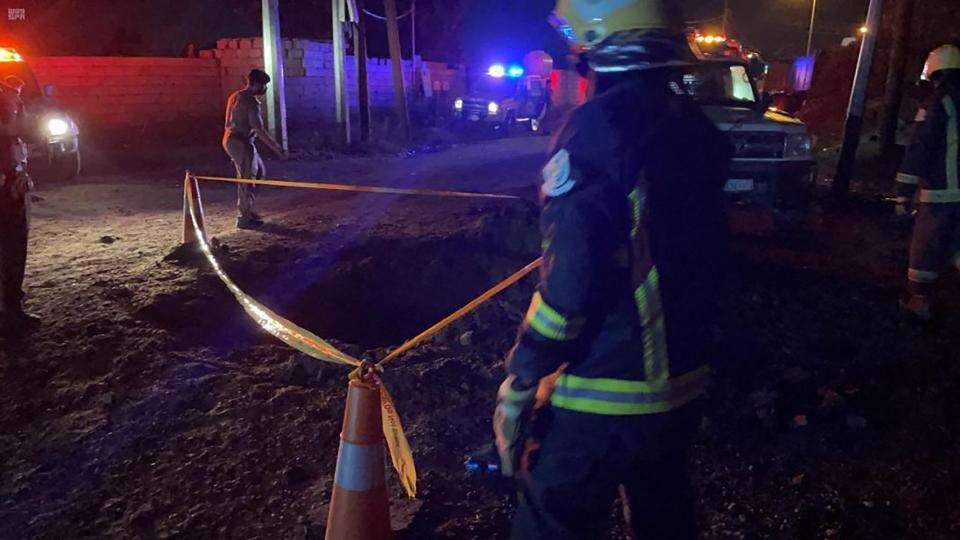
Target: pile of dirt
157,409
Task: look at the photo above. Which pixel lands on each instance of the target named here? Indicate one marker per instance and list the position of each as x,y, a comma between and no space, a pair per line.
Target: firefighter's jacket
933,159
634,233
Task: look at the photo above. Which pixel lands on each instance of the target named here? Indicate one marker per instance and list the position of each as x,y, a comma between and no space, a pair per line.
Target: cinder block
207,53
244,43
256,43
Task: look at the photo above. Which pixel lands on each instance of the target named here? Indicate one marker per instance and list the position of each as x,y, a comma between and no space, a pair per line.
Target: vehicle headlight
458,104
57,126
797,146
493,108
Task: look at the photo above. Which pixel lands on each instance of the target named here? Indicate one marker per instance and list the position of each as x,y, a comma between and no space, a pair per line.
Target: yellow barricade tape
284,330
460,313
306,342
358,189
400,453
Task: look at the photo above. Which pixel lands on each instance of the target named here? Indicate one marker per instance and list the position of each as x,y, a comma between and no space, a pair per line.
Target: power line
382,18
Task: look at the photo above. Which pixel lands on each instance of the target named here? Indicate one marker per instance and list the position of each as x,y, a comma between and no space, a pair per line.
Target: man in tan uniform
243,126
15,186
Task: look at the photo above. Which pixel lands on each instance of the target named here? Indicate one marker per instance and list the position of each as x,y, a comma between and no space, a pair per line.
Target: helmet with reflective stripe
622,35
941,58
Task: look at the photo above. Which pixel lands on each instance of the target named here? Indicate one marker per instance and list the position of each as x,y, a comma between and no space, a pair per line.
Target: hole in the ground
387,293
379,293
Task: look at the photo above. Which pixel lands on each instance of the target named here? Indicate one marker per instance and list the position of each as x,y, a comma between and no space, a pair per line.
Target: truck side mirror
48,90
756,68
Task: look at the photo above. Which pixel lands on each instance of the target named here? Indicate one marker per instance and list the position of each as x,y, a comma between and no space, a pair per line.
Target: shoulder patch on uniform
556,175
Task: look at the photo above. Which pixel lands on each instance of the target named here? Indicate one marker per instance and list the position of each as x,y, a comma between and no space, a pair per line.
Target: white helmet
941,58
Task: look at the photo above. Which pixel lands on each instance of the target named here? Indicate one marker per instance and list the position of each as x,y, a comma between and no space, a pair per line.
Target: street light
864,29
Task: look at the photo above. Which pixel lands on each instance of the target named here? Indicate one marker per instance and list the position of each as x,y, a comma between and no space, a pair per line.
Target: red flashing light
9,55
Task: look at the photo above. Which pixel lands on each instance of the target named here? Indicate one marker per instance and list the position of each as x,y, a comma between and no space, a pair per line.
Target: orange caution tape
306,342
358,189
284,330
400,453
462,312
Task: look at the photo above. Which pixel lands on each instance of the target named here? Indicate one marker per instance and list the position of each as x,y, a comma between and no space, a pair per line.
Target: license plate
739,184
474,117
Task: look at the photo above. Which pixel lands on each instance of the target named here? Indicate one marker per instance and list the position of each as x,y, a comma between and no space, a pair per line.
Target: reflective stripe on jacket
933,160
634,234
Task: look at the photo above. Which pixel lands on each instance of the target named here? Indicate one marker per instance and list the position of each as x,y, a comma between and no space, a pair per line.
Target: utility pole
400,97
414,66
273,65
813,18
858,97
363,85
893,93
339,71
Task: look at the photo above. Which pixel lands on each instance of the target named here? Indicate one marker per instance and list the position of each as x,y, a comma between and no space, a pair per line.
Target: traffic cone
360,507
189,233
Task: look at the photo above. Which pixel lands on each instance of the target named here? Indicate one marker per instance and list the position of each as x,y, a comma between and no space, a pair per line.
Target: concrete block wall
140,91
132,91
308,70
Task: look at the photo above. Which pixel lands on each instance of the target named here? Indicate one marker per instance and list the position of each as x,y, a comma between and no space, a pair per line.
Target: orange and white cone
360,507
191,191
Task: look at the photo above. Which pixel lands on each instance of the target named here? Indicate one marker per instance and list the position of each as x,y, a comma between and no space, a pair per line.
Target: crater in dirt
375,294
387,293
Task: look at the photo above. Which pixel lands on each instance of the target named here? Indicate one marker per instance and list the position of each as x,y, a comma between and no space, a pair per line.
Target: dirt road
149,407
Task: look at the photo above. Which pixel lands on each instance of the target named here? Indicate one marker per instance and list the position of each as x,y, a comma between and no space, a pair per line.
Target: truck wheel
66,167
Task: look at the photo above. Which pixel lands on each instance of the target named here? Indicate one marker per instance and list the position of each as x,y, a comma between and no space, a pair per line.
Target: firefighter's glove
514,406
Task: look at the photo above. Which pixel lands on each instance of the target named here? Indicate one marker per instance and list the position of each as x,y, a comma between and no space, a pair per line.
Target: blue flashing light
515,71
497,71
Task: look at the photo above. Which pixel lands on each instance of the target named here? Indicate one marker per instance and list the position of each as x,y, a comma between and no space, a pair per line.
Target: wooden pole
400,96
893,93
414,66
273,65
363,85
339,70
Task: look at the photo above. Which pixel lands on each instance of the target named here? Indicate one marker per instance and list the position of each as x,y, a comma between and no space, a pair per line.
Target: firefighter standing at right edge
15,187
931,164
625,313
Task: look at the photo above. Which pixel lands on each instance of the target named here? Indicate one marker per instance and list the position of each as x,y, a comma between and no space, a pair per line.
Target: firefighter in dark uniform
931,165
15,186
622,324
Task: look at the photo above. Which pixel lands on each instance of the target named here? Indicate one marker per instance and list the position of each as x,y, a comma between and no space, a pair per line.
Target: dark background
450,30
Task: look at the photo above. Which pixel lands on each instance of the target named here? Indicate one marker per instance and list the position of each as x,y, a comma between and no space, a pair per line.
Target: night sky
451,30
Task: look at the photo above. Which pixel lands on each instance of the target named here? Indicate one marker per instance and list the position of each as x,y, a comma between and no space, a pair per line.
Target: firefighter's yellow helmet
591,22
623,35
941,58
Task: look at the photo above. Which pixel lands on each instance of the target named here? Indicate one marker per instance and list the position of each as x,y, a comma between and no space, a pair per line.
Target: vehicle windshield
493,87
718,83
31,89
